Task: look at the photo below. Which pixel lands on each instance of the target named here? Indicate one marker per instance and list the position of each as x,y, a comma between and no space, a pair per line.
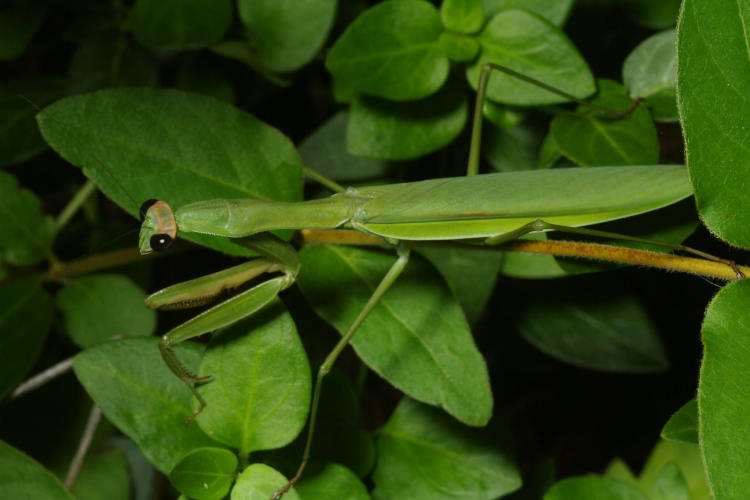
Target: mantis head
158,227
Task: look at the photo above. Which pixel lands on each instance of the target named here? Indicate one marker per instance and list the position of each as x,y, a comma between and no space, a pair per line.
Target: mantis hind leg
393,273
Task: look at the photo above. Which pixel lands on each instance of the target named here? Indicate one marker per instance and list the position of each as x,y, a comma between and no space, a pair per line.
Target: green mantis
468,212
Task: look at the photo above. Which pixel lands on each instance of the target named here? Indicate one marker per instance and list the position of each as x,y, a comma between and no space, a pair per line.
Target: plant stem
83,446
42,378
74,204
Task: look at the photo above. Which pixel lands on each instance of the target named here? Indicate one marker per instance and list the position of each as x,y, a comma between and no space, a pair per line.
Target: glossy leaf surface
96,307
392,51
260,482
259,392
683,425
650,71
724,392
332,483
712,38
22,477
205,473
180,24
416,337
424,454
138,393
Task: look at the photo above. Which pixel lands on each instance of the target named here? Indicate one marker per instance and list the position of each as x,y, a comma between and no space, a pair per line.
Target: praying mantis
471,212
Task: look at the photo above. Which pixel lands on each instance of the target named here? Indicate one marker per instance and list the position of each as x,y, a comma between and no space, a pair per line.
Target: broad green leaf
103,475
416,337
200,76
136,391
683,425
514,148
462,16
98,307
532,46
670,484
392,51
606,331
536,480
180,24
26,233
652,14
425,454
106,63
470,274
715,108
399,131
593,488
458,48
18,23
23,478
589,139
284,35
549,153
324,150
205,473
19,101
724,392
25,320
554,11
137,144
335,482
260,482
650,71
259,393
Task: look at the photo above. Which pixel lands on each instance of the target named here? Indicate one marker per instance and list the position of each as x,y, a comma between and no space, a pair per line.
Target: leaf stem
74,204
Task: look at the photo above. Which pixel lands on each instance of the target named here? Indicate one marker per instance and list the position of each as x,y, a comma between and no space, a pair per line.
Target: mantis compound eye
160,242
145,206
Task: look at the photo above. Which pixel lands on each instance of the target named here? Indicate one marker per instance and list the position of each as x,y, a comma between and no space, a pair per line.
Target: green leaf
98,307
593,488
530,266
103,475
683,425
589,139
25,232
458,48
416,337
285,35
103,63
424,454
180,24
606,331
650,71
137,144
533,47
398,131
25,321
554,11
260,482
205,473
714,108
259,393
18,23
724,392
334,482
136,391
514,148
324,150
670,484
22,477
392,51
470,274
19,100
462,16
653,14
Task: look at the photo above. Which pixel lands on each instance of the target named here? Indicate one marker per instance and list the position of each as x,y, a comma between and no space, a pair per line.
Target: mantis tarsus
472,212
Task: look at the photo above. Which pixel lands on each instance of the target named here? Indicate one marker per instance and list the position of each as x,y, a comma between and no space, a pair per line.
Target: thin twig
42,378
83,446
